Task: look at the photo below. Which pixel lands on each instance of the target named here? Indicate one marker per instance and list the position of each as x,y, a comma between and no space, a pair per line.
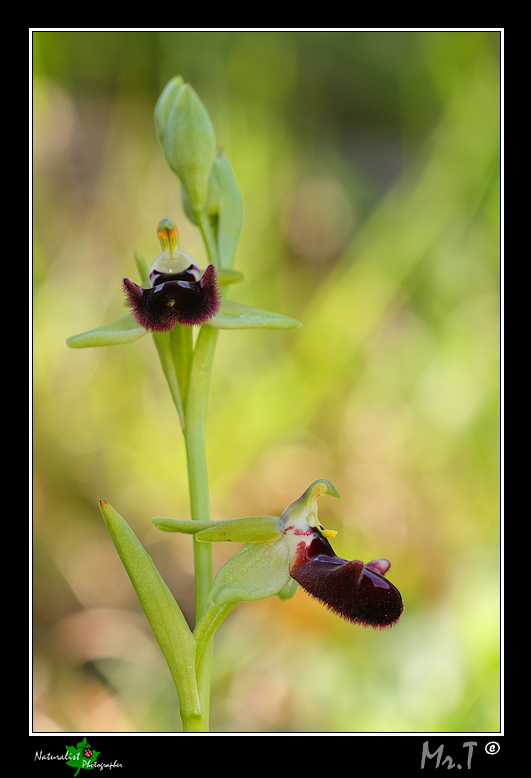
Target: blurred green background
369,166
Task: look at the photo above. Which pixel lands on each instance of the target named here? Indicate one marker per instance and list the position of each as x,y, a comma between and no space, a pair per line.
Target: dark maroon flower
358,592
298,551
174,299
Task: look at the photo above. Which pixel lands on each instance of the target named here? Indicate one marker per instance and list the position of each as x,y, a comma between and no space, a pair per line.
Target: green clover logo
82,756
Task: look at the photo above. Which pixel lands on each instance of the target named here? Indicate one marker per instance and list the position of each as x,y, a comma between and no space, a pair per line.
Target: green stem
208,236
168,361
181,345
194,434
210,621
192,373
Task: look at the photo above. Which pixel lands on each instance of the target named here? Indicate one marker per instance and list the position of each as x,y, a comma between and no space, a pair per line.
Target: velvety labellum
175,300
358,592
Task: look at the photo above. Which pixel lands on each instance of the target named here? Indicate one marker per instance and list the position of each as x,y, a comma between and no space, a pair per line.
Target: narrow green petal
115,333
235,316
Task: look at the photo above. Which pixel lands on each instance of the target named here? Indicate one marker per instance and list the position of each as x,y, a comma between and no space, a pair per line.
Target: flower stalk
194,435
279,553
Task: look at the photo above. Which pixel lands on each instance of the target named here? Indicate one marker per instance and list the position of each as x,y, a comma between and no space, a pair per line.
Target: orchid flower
178,294
294,549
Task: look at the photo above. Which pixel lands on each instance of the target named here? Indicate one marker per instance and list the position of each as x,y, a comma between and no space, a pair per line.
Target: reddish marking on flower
296,530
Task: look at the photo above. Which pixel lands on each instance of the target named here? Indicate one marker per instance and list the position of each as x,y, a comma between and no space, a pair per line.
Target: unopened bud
186,135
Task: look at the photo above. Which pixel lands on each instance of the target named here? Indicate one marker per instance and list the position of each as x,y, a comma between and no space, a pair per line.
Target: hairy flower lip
176,300
356,591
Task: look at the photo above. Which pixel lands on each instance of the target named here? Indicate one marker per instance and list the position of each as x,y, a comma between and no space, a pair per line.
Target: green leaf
162,611
237,316
123,330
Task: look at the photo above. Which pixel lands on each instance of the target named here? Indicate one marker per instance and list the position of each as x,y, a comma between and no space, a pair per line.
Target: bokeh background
369,166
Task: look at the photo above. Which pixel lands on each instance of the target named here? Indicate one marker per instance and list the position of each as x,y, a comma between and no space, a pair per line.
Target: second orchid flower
295,548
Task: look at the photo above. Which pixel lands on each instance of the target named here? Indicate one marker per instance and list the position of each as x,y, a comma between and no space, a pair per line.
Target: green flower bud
187,139
166,100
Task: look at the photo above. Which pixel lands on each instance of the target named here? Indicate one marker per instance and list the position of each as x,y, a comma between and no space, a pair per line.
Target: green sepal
237,316
258,570
187,526
123,330
225,277
230,214
158,603
187,139
224,208
289,590
255,529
